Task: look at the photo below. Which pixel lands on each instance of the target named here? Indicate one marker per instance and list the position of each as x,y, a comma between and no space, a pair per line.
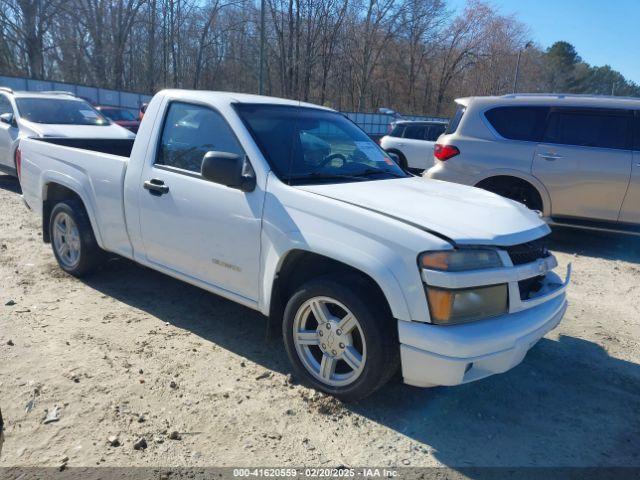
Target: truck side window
189,132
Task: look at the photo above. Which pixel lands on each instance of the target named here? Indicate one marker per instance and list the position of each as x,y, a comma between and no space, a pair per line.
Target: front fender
275,253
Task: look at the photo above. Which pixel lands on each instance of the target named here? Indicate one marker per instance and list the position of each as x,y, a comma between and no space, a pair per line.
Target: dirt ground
131,353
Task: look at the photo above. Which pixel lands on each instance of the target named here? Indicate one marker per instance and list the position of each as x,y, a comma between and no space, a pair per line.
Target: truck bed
92,168
120,147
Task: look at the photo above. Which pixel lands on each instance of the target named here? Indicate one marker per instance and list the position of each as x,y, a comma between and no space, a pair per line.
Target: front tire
72,239
340,338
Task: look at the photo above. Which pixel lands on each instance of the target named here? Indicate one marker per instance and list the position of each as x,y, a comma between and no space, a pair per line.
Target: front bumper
455,354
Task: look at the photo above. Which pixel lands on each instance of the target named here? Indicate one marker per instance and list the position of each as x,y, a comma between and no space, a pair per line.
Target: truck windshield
59,111
305,145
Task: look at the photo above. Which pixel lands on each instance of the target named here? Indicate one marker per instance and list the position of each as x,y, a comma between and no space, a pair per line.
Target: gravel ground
131,354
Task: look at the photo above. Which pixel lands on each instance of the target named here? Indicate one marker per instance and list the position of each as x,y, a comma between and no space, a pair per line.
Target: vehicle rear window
518,123
455,121
590,128
5,105
56,111
435,131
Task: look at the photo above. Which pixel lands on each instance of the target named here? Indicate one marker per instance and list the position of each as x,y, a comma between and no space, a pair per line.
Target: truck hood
464,215
75,131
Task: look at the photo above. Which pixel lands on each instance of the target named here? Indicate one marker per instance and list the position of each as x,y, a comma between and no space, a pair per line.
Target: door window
589,128
189,132
518,123
415,132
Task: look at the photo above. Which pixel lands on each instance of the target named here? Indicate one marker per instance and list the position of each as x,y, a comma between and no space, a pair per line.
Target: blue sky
603,32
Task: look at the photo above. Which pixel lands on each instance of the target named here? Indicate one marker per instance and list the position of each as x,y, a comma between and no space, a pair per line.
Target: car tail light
18,157
445,152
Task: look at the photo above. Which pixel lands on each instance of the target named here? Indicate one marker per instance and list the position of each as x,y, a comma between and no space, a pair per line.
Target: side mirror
8,118
228,169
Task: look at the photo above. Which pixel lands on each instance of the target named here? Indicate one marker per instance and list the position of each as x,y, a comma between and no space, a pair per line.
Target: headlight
448,307
451,306
461,260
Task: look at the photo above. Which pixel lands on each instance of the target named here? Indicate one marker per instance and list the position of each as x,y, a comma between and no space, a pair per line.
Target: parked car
121,116
290,209
412,142
574,158
47,114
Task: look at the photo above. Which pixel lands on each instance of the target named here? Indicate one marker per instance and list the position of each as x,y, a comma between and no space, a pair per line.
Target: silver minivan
574,158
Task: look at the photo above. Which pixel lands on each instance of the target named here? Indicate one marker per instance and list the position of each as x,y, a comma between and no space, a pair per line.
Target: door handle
550,157
156,187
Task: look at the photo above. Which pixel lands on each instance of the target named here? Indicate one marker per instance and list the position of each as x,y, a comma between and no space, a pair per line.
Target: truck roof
231,98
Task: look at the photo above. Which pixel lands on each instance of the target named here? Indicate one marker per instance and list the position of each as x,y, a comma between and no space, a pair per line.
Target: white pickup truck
290,209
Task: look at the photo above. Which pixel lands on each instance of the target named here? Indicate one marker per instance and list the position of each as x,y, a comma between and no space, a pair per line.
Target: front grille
528,252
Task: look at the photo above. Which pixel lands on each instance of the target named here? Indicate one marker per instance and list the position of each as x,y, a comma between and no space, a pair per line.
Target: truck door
195,227
584,161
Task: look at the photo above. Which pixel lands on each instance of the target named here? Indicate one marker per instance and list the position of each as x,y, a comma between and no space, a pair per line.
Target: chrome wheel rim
329,341
66,240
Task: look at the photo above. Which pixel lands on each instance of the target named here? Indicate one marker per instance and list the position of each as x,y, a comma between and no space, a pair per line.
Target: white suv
48,114
575,158
412,142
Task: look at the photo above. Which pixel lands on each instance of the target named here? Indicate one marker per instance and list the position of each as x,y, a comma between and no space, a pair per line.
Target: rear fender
80,187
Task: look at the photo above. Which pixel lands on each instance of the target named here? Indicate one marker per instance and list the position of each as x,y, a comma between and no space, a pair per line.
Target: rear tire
340,338
72,239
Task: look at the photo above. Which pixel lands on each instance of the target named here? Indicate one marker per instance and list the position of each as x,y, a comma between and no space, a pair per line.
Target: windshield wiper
372,171
325,176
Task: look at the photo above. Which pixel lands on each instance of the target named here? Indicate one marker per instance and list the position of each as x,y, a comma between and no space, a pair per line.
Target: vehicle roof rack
567,95
57,92
6,89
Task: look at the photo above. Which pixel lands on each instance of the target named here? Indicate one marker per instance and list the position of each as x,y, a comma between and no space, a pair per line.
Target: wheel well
54,194
403,159
497,183
300,266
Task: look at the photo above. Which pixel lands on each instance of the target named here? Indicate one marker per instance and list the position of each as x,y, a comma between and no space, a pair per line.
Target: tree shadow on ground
568,404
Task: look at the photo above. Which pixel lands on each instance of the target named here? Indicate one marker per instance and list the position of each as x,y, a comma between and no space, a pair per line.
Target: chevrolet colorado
290,209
